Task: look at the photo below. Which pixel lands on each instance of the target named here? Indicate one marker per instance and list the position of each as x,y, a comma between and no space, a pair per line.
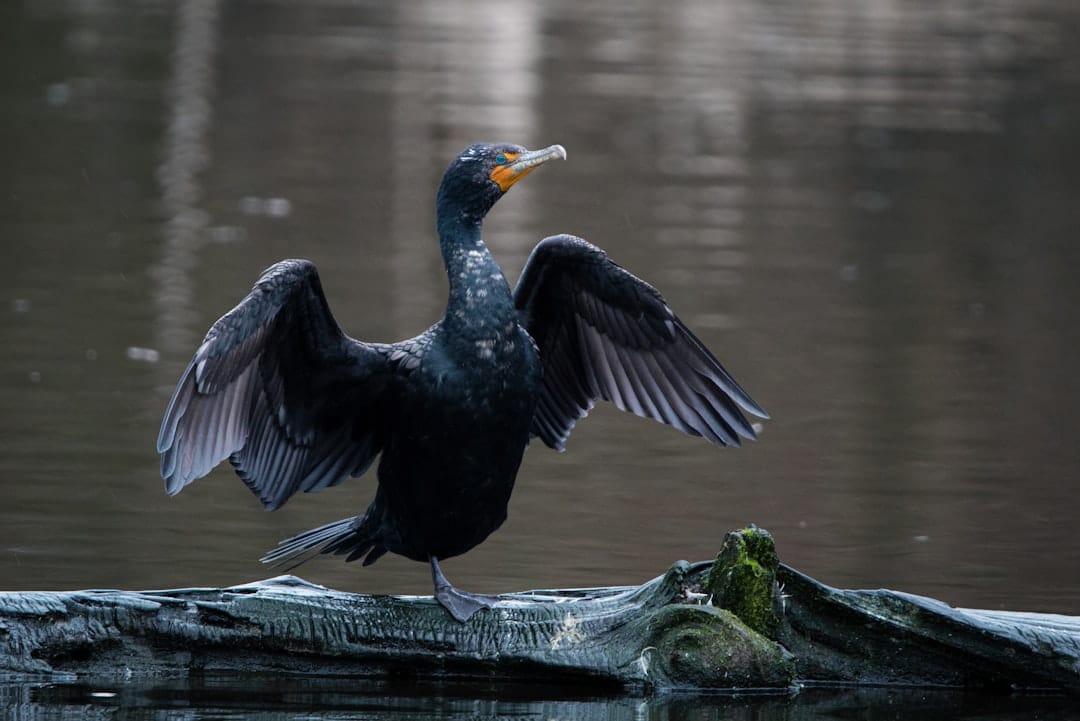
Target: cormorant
296,405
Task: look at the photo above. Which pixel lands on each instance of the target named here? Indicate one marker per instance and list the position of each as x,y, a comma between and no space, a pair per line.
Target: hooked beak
518,167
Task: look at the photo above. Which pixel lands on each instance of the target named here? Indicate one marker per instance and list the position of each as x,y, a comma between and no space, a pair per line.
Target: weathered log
888,637
777,628
882,637
643,635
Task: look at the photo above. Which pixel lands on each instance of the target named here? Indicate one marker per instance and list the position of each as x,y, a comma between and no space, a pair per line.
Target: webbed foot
461,604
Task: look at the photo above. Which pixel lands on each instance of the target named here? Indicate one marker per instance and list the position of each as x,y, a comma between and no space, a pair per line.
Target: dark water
308,700
868,210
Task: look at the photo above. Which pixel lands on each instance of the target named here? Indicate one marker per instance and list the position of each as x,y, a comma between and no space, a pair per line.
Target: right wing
280,391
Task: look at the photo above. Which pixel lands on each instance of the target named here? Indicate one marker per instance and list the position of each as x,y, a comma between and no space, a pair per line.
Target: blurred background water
866,208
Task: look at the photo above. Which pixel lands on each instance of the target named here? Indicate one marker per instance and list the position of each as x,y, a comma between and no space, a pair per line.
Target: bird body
456,442
296,405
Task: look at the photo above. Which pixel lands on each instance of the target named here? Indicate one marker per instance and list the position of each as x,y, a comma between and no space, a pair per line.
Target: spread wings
280,391
604,333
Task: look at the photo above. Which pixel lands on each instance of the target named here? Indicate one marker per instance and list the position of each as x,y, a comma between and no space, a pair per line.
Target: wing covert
604,333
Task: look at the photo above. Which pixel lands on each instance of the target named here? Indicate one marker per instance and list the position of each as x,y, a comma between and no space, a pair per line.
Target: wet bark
889,637
646,635
777,628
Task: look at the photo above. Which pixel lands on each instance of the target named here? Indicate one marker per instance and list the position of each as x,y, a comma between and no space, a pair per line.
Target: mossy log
642,635
770,628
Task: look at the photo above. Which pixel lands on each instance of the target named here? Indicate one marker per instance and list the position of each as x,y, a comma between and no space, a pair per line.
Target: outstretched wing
604,333
280,391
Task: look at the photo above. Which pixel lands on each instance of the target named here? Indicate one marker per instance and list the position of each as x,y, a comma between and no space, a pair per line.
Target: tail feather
355,536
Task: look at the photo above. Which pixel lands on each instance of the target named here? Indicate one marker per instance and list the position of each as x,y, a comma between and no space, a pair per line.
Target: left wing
604,333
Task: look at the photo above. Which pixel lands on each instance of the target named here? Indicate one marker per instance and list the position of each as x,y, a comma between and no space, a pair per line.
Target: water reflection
440,92
333,699
186,156
866,211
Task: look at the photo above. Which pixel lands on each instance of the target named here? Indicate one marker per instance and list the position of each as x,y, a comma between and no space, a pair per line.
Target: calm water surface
307,700
868,210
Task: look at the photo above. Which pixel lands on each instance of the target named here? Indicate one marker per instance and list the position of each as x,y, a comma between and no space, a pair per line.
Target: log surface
621,636
779,629
889,637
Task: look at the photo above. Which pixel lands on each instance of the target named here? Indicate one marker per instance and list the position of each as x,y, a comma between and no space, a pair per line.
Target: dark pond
310,700
867,209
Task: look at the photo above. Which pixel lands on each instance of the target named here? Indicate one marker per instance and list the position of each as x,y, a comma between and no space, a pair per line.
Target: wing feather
280,391
605,334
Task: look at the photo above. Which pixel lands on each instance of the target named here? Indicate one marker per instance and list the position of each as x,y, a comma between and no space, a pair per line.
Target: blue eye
500,159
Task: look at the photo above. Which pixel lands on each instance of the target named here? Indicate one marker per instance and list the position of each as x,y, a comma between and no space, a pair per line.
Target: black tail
355,536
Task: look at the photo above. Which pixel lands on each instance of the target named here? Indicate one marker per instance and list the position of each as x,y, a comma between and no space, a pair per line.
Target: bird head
480,175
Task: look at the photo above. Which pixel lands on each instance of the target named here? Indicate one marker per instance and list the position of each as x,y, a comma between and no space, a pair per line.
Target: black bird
296,405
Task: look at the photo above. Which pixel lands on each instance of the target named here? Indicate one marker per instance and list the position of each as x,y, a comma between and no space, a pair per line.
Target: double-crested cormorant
296,405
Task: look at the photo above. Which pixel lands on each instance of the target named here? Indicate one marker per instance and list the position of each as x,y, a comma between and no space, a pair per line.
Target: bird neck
480,301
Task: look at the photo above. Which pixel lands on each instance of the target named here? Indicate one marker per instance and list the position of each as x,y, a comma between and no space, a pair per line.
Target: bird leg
461,604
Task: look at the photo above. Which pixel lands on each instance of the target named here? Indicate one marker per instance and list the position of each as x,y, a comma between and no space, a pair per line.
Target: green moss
743,579
705,647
